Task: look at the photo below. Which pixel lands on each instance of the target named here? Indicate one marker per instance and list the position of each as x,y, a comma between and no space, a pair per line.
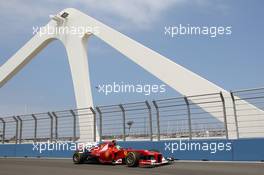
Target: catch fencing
189,117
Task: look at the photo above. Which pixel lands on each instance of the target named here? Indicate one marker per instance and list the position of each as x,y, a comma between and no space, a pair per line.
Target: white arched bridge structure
179,78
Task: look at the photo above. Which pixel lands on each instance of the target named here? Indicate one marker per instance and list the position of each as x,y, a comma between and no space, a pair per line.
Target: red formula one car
111,153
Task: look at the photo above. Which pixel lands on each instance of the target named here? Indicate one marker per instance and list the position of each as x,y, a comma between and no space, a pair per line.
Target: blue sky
232,62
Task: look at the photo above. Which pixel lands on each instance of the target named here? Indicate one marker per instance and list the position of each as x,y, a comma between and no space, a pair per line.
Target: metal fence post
94,123
20,128
224,113
51,126
189,117
100,124
158,118
124,121
16,128
35,127
150,120
56,125
235,113
3,132
74,124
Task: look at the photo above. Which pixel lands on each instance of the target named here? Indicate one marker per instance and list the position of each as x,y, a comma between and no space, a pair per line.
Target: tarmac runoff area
37,166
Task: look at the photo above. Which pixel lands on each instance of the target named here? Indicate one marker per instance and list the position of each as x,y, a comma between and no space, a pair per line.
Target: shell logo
125,153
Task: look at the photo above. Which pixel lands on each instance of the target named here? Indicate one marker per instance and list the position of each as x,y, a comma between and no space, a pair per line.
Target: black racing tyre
132,159
77,158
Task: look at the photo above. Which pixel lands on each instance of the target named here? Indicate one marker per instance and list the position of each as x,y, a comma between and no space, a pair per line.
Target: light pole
129,123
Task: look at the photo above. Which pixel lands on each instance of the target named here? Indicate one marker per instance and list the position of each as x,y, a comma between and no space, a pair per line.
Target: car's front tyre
132,159
77,158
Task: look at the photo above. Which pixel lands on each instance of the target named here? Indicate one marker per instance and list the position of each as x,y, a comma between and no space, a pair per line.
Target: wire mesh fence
186,117
215,115
249,119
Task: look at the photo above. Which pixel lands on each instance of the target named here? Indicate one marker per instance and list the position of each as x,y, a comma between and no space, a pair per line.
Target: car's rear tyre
77,158
132,159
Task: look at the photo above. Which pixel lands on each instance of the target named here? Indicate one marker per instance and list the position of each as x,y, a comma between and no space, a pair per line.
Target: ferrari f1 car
111,153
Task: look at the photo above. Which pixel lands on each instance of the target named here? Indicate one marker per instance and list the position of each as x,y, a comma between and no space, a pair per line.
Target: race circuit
13,166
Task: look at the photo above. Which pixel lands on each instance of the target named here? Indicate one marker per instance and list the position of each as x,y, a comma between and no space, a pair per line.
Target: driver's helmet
118,147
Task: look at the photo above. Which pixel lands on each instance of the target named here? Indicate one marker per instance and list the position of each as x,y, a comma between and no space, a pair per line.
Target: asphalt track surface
13,166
